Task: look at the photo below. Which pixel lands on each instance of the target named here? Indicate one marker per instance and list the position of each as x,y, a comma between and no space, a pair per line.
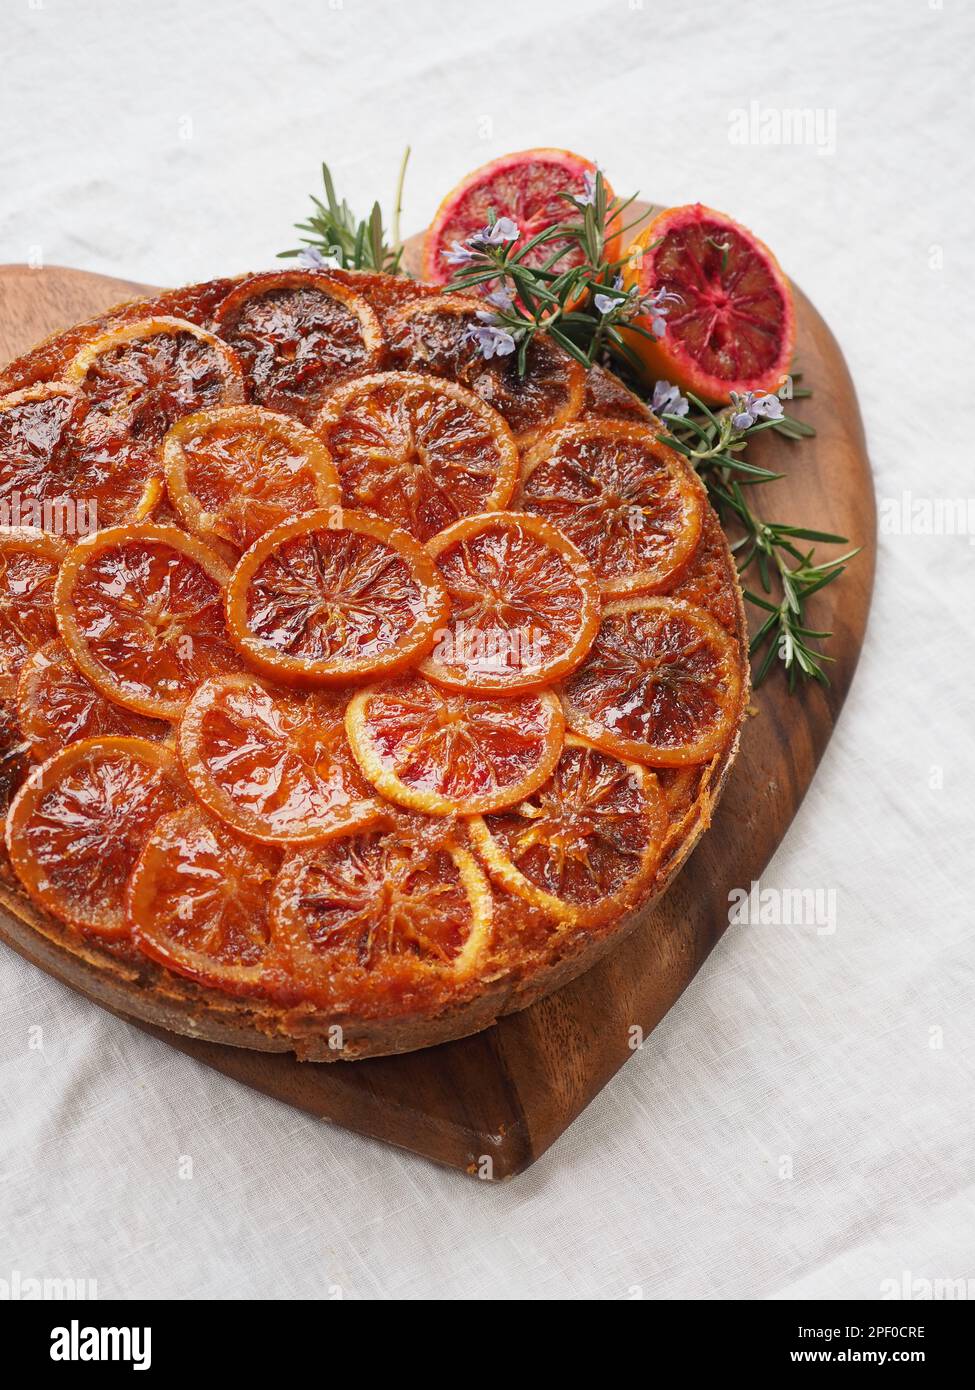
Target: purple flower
657,307
667,400
495,234
750,407
588,195
458,254
491,340
605,302
312,259
502,298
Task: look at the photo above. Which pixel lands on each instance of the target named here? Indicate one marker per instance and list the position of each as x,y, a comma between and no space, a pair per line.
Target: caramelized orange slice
586,845
57,705
198,900
625,500
140,608
418,451
238,471
434,336
45,481
135,381
29,561
78,824
273,765
450,754
299,334
524,604
662,683
328,599
368,901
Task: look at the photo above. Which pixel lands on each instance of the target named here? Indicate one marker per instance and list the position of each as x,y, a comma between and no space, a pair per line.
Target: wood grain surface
506,1094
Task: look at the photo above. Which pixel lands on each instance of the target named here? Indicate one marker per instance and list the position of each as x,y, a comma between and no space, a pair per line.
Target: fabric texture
801,1123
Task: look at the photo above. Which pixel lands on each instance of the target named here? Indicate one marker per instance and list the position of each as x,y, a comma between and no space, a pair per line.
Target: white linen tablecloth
176,141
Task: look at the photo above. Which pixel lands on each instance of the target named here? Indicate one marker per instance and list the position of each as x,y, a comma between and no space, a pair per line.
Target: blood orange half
525,187
732,325
417,450
451,754
331,598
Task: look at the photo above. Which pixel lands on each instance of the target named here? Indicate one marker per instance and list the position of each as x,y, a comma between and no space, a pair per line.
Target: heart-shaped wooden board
506,1094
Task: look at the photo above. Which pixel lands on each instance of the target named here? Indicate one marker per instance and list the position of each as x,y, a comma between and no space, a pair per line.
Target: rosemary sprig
587,308
336,237
714,444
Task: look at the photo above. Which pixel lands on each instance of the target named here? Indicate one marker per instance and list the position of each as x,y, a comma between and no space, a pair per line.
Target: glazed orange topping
378,672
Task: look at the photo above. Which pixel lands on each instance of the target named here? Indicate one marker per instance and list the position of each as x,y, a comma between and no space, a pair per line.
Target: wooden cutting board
492,1103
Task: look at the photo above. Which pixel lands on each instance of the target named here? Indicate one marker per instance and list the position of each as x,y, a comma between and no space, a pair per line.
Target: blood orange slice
14,755
140,608
135,382
198,900
662,683
29,561
525,187
433,336
299,334
45,481
524,604
235,473
328,599
732,327
57,705
418,451
398,894
77,825
274,766
450,754
586,845
626,501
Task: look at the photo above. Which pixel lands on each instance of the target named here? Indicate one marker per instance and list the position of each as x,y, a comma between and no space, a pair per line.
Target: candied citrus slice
78,824
238,471
57,705
434,336
273,765
626,501
298,334
136,381
140,609
330,598
417,450
448,753
49,479
662,683
524,604
29,561
586,845
198,900
526,187
366,899
731,322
